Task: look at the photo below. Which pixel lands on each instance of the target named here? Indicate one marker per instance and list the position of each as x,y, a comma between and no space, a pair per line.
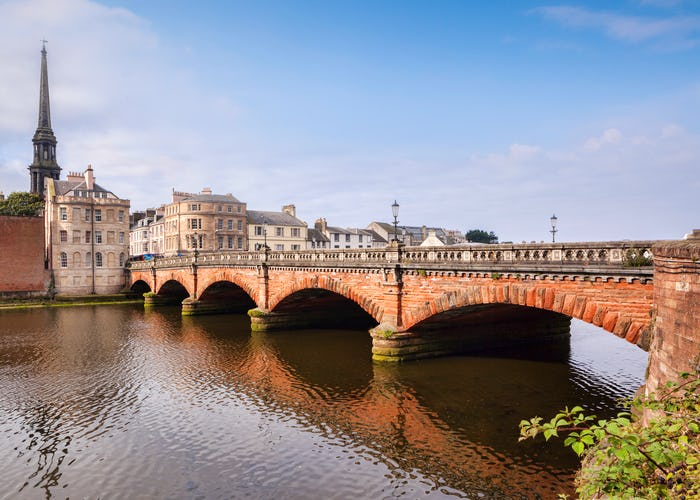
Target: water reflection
115,401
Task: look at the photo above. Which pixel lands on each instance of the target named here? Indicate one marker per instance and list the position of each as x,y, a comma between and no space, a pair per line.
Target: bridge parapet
604,259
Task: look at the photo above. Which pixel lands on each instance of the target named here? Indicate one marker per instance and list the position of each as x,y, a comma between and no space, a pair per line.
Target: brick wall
675,345
22,256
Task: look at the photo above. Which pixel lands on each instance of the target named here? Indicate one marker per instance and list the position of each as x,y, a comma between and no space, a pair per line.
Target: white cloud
609,136
675,32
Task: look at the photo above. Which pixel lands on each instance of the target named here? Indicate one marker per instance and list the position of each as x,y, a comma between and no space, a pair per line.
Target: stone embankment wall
22,271
675,345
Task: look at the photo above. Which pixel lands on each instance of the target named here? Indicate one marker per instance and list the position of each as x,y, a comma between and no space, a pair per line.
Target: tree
481,236
23,204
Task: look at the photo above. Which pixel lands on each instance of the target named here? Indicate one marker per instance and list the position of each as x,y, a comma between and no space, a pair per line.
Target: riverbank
70,301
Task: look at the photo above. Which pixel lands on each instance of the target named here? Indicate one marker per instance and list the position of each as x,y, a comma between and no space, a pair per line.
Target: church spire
44,164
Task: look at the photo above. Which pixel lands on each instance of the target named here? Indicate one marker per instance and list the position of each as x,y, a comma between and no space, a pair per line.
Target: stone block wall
22,271
675,345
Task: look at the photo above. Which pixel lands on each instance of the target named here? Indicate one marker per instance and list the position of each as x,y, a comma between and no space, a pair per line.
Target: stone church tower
44,164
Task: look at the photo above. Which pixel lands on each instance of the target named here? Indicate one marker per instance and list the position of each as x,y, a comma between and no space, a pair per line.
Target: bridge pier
159,300
196,307
266,321
487,328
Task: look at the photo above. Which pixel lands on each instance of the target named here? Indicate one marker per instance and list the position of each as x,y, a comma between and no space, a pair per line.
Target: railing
504,256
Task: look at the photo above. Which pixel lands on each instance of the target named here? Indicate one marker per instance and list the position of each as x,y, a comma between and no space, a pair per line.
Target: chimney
290,209
422,233
206,190
74,177
89,178
320,225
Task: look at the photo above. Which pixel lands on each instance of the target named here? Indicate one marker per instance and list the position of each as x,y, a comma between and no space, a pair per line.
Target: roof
63,187
376,237
212,198
349,230
316,235
273,218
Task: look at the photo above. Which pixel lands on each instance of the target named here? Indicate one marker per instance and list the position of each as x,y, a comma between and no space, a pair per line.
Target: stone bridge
418,299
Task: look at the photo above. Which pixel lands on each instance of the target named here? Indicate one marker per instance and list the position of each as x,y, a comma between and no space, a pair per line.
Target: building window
219,223
64,236
98,236
88,214
279,247
195,223
336,237
229,224
195,207
240,242
121,216
279,231
88,235
76,236
121,237
296,247
98,215
258,230
238,209
88,259
230,241
64,259
295,232
98,259
347,239
360,239
63,213
121,259
220,242
240,225
229,209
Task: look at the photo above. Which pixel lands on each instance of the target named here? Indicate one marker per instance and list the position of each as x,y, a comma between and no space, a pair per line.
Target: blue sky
490,115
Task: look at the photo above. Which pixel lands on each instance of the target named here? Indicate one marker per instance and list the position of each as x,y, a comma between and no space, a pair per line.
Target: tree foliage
625,459
481,236
20,203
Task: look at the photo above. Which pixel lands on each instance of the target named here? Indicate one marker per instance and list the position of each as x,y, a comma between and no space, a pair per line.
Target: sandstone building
204,222
87,230
279,230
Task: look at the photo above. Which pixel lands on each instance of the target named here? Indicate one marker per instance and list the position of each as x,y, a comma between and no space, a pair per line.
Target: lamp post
265,233
196,245
553,221
395,212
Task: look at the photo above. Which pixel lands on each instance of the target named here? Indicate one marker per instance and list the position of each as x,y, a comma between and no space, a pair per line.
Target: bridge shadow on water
454,419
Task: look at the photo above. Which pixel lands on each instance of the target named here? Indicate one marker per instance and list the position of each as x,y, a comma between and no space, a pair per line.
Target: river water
118,402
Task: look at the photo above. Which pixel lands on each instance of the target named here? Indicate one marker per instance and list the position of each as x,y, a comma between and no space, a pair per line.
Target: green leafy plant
422,272
496,276
637,258
623,458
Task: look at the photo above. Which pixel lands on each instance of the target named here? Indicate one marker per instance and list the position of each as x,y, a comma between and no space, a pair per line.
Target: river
118,402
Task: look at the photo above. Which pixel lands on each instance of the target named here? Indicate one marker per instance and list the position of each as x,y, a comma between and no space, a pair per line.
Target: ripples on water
115,402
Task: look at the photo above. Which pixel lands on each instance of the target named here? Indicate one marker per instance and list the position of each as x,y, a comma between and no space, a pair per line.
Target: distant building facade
279,230
86,231
339,237
205,221
416,235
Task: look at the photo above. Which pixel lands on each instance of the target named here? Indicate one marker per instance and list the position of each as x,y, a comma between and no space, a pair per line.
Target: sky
471,115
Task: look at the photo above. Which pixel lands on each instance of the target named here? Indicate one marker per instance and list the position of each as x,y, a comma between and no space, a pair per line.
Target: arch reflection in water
119,402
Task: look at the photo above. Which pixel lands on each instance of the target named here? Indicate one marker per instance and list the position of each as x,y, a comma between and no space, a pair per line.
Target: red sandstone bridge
421,300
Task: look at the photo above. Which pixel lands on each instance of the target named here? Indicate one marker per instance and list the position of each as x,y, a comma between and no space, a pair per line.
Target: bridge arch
241,282
601,305
329,284
140,287
173,289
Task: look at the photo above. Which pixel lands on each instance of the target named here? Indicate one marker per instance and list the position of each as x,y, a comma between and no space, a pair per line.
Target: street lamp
553,221
196,245
395,212
265,233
